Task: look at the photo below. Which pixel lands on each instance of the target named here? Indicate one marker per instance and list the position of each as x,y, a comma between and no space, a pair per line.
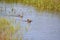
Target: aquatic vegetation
42,5
6,30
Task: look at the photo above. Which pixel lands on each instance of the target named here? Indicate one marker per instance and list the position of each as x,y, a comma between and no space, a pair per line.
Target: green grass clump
7,30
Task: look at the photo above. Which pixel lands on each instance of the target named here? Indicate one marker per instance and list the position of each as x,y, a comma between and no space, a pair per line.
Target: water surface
44,25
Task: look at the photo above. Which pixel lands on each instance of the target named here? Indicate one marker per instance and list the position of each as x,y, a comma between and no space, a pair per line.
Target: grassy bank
41,5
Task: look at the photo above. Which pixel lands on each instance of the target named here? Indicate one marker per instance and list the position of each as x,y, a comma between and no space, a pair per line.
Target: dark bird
21,16
28,21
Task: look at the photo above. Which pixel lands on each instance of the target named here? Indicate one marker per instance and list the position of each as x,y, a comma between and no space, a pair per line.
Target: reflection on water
44,25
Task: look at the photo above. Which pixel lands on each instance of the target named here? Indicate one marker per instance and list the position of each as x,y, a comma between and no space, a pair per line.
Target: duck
28,21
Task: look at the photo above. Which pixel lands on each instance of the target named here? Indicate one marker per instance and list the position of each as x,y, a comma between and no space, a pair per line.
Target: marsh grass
40,5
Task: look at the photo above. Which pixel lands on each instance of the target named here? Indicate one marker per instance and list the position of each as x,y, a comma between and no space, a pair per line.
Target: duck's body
28,21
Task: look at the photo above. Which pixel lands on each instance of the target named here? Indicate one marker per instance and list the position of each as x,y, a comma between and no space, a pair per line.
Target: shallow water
44,25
